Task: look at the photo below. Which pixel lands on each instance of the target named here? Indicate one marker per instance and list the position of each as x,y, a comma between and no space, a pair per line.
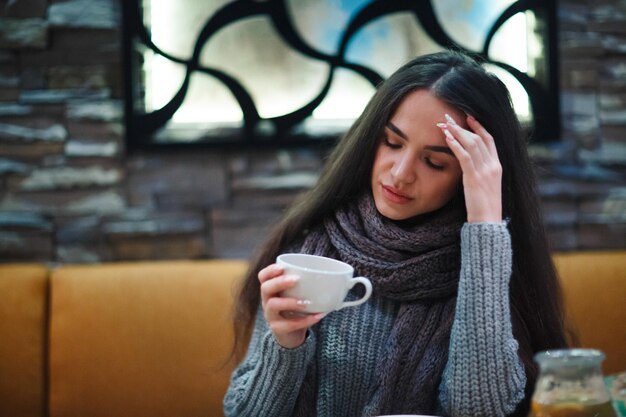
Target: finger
470,141
296,323
269,272
273,287
290,314
491,164
464,158
276,307
484,134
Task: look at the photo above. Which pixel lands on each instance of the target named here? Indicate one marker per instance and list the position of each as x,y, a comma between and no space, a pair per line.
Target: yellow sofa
152,339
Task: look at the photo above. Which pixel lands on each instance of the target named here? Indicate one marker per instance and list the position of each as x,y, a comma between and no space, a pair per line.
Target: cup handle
368,291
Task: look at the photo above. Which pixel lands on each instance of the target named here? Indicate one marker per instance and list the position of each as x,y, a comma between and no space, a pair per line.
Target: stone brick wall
583,179
69,192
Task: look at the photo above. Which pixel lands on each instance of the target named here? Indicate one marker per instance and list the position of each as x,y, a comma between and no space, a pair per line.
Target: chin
391,213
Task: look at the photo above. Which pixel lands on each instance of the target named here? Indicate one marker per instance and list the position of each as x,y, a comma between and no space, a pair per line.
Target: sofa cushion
594,288
143,339
23,297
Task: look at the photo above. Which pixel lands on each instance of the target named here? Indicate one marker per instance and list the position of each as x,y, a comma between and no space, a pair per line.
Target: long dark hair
461,82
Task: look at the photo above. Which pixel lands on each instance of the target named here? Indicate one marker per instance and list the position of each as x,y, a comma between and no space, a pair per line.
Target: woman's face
414,171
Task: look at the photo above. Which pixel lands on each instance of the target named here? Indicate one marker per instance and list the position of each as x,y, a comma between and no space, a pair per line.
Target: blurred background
182,129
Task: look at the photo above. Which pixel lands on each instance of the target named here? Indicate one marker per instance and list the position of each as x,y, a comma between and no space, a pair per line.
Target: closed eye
388,143
432,165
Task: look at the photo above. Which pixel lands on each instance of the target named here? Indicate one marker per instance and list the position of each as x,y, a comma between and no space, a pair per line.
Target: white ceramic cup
324,282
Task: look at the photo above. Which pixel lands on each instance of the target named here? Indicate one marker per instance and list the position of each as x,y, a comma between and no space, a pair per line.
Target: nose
403,170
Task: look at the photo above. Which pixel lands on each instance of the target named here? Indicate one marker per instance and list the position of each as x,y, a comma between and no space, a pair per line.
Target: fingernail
303,302
448,135
320,315
293,278
450,119
442,125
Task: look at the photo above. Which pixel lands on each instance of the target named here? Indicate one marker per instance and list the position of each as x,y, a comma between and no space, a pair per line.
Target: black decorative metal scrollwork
142,126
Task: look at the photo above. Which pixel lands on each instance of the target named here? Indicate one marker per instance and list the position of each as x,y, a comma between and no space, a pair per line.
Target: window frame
140,126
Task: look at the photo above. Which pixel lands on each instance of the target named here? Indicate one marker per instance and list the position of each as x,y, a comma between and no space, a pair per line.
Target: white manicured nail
442,125
303,302
450,119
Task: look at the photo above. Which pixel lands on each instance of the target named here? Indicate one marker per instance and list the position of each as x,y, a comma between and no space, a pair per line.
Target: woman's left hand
482,172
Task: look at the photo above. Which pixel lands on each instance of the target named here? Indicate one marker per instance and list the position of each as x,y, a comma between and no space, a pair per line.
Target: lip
394,195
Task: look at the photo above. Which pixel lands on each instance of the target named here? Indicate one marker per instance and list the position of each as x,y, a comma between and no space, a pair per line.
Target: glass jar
571,384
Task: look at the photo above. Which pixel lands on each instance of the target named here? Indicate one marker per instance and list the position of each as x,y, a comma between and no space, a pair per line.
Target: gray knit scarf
416,264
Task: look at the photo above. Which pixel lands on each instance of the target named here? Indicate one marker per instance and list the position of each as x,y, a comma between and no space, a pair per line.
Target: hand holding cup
299,290
323,282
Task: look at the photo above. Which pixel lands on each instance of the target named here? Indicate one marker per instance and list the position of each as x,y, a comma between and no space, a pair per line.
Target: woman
415,197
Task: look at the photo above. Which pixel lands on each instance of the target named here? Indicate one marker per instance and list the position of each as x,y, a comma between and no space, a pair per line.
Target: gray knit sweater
483,376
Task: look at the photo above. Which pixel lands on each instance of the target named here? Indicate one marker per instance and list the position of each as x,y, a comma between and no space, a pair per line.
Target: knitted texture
416,264
482,330
348,347
268,380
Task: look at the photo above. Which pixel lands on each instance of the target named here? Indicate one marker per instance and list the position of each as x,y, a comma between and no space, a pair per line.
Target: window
285,72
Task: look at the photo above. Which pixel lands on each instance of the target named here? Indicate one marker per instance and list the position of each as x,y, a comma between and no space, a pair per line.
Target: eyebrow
433,148
443,149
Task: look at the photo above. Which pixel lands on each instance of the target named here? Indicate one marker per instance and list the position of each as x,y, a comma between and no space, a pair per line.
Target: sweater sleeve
484,375
268,380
